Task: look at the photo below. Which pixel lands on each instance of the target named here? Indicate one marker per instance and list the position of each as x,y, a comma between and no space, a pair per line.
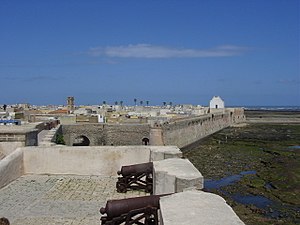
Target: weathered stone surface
196,208
11,167
175,175
187,131
26,134
9,147
83,160
107,134
181,132
164,152
44,200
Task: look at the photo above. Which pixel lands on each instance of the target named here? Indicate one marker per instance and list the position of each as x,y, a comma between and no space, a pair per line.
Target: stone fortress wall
187,131
181,132
172,174
107,134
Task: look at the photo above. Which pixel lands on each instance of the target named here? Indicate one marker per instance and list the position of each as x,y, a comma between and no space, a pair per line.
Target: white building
216,103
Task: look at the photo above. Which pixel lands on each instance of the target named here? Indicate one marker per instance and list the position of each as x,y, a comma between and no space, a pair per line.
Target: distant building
216,103
70,103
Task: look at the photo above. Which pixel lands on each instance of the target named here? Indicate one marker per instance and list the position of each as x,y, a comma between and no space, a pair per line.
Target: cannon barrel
136,169
115,208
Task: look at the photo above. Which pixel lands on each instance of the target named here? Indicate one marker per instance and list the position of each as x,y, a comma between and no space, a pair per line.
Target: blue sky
181,51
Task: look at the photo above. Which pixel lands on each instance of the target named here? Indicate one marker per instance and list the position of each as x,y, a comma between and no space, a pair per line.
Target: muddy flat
256,168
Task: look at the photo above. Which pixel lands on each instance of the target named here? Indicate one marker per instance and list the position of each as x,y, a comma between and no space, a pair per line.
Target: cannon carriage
138,210
136,177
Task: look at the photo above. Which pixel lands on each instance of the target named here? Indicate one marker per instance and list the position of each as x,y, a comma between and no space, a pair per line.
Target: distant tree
164,103
121,103
141,102
4,107
170,103
104,102
135,101
116,102
147,103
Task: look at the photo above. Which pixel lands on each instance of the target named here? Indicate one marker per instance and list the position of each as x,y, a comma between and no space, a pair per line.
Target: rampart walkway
55,199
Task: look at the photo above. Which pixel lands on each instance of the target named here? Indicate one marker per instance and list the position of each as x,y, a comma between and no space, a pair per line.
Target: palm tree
121,103
135,101
164,103
104,102
141,102
147,102
116,103
170,103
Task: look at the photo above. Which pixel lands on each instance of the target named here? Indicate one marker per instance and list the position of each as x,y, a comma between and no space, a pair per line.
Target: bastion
68,185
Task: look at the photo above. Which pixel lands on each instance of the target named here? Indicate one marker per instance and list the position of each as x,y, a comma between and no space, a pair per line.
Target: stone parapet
196,207
87,160
11,167
164,152
25,135
175,175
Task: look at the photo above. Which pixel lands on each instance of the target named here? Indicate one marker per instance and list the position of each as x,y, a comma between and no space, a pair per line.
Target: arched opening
81,141
145,141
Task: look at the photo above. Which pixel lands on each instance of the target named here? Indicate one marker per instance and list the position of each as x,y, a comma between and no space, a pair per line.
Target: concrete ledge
11,167
164,152
196,207
175,175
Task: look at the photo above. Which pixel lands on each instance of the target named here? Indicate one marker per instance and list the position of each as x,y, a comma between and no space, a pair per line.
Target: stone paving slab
58,199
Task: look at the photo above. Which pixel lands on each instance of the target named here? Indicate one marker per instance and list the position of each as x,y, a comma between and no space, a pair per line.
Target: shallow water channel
217,184
259,201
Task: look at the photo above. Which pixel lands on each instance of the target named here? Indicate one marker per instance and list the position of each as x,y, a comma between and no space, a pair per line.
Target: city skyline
184,52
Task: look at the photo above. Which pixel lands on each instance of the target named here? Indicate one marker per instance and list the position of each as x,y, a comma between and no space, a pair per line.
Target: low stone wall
11,167
28,137
100,160
9,147
196,207
175,175
158,153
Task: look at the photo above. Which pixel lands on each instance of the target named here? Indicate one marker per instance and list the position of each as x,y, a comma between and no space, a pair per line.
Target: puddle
216,184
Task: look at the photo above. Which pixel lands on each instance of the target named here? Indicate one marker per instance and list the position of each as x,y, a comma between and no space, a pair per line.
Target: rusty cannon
136,177
138,210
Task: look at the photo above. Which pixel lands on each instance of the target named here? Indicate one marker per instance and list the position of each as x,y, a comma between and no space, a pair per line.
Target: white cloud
151,51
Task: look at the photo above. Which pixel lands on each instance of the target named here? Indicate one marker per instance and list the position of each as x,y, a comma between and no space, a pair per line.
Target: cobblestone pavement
58,199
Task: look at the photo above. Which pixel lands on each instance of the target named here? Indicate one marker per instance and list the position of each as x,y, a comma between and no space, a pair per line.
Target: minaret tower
70,103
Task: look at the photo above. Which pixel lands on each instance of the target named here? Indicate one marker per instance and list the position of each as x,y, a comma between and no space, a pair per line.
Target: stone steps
47,138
